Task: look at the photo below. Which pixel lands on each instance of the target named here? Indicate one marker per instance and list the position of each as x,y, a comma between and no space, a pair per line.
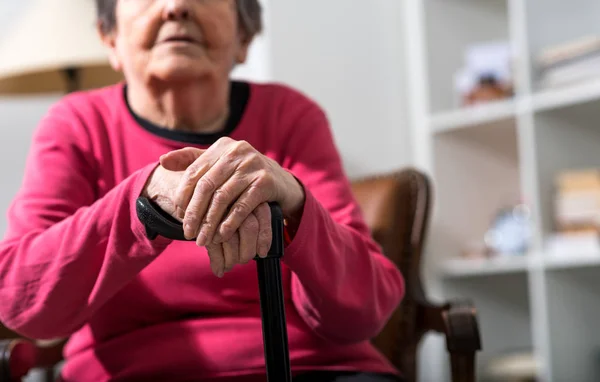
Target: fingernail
220,274
264,251
201,241
187,230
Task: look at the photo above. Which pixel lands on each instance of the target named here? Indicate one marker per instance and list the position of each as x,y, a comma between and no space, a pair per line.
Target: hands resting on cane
221,194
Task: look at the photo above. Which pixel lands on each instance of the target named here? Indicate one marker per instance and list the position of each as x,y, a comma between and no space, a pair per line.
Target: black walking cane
275,340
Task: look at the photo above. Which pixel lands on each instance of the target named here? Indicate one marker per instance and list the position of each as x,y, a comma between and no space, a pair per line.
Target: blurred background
498,101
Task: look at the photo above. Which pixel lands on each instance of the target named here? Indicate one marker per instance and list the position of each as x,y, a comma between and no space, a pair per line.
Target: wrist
150,190
294,206
155,190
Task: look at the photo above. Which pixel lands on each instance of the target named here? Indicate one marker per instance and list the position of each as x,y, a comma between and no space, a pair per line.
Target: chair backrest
396,208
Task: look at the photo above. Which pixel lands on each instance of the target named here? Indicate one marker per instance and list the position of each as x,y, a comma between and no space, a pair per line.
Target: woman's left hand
224,184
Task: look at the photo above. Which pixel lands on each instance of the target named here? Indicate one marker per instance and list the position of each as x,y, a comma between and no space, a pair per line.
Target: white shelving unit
483,158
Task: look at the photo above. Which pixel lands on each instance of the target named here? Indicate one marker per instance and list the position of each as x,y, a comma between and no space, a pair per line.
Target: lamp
54,47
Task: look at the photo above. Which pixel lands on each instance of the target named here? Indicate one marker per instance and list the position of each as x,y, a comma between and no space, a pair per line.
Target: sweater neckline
238,101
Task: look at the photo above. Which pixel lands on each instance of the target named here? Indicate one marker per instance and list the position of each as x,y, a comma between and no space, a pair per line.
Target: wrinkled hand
224,185
176,186
254,232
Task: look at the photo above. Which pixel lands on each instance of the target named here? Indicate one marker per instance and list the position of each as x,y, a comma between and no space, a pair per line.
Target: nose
176,10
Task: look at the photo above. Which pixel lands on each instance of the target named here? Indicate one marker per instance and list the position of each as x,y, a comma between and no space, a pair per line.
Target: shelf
504,110
473,115
574,260
566,96
456,268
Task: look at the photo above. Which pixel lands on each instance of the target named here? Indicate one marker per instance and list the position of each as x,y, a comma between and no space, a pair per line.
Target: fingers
209,191
231,252
235,180
265,233
248,239
221,202
241,248
198,169
217,259
189,185
180,160
247,202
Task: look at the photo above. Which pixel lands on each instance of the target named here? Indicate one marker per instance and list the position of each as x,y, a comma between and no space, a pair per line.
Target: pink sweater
75,260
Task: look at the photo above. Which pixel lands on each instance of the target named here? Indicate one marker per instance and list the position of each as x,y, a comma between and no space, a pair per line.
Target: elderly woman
212,152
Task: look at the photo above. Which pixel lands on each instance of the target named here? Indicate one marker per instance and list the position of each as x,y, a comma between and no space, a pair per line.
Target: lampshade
50,37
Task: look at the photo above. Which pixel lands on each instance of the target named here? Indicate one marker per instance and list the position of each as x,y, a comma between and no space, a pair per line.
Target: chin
187,70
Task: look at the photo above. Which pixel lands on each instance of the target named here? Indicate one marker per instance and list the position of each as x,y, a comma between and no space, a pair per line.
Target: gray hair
249,16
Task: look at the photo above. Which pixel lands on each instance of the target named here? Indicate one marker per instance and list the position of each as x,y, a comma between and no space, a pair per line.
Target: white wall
348,55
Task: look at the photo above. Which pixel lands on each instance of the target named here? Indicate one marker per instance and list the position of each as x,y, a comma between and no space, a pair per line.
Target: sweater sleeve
65,251
342,284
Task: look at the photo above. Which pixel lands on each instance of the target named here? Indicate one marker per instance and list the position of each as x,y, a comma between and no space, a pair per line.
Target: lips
181,38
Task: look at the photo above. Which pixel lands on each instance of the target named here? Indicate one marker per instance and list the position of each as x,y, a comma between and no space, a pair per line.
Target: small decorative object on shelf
510,233
487,74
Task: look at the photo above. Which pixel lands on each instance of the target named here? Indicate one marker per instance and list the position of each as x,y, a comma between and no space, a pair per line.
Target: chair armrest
457,320
17,358
462,327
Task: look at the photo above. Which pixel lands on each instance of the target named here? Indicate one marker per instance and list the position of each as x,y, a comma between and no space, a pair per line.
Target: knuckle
255,158
206,185
227,228
193,172
208,226
190,216
260,191
222,196
241,145
242,209
224,140
230,155
195,168
265,178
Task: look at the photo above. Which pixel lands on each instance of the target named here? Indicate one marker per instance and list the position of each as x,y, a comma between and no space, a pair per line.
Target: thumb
179,160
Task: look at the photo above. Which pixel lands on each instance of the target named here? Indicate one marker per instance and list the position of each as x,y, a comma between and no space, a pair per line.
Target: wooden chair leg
462,366
462,340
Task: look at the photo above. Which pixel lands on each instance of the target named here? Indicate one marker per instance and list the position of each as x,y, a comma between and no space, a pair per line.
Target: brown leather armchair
397,208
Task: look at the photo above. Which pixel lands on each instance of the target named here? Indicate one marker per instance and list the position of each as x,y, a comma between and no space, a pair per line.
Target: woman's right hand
241,247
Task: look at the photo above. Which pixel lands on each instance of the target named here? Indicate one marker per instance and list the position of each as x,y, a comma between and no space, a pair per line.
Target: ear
109,41
242,53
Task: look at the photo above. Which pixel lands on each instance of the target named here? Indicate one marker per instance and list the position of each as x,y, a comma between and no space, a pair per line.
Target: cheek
139,22
219,28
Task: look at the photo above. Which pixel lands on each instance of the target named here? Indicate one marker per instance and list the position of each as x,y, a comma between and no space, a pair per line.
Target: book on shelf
569,63
577,201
